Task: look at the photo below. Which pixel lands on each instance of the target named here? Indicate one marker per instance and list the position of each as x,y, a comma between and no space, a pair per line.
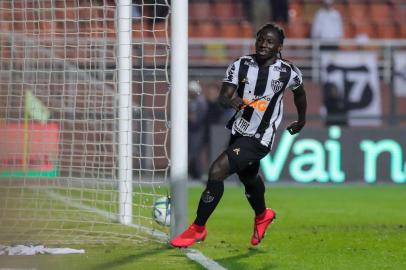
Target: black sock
255,193
208,201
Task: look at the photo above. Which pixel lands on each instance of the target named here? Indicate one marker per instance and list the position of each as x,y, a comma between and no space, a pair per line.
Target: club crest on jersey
236,151
280,69
276,85
250,64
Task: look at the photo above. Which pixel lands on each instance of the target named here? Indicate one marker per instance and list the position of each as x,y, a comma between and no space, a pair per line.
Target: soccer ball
162,211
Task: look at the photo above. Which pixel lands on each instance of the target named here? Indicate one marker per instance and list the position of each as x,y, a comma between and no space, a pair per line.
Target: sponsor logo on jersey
230,74
245,80
259,105
296,80
276,85
241,126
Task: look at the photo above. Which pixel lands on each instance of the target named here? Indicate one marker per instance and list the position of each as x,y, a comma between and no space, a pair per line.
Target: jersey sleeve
231,75
296,78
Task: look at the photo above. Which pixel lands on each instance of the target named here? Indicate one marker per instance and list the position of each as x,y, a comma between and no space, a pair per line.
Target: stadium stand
342,9
362,19
230,29
380,12
386,30
200,10
386,17
207,19
206,29
402,30
227,10
358,10
246,29
363,28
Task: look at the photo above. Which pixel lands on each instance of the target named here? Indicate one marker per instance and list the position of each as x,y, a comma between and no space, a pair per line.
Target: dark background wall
316,147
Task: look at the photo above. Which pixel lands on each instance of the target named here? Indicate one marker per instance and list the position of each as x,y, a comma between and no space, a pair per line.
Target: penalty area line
191,254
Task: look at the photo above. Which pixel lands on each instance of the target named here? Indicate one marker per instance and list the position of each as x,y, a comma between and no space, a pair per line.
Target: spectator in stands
259,12
280,11
158,10
247,10
197,111
328,26
334,102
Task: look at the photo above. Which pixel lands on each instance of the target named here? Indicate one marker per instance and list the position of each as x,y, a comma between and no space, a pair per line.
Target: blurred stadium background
372,49
62,54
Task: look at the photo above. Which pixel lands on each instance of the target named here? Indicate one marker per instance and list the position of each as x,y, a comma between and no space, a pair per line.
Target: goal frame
179,114
124,84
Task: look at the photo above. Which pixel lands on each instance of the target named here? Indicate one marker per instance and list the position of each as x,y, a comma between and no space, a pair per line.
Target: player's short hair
273,27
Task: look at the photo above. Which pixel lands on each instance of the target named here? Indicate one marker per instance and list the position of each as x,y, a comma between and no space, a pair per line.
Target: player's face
267,44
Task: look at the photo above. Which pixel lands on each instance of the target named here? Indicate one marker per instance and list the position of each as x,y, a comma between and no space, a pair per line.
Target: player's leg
255,193
219,170
254,188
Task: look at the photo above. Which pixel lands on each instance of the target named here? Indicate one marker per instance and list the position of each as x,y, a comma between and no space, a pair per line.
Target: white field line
8,268
192,254
207,263
155,233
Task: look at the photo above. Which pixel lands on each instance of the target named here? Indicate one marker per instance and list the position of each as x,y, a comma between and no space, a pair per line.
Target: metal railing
208,59
218,53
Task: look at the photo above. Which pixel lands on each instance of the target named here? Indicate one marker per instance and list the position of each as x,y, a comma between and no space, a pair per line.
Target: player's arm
299,96
227,99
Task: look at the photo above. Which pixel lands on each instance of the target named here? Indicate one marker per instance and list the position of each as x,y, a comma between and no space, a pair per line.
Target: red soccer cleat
260,225
192,235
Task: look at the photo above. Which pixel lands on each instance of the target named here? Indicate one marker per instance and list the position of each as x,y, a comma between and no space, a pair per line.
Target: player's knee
219,169
253,183
216,172
248,177
247,180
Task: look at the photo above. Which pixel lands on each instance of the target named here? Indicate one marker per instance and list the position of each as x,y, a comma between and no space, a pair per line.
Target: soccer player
254,86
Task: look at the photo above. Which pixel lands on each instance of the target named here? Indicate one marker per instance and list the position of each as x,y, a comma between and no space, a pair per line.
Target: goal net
61,121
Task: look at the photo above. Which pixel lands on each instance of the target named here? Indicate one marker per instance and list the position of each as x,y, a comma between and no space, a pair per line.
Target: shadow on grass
130,258
235,262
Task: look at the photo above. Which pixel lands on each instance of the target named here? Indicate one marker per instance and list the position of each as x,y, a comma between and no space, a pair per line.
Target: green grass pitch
317,227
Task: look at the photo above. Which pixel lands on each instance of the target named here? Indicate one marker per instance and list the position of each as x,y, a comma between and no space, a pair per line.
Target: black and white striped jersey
262,88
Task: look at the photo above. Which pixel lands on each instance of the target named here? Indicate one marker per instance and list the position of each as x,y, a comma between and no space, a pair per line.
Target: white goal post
179,116
84,92
124,27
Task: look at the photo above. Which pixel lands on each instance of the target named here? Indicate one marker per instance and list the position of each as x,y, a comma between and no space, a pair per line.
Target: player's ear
280,48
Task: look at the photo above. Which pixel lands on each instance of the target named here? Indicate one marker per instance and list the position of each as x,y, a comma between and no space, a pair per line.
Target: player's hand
296,127
236,103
